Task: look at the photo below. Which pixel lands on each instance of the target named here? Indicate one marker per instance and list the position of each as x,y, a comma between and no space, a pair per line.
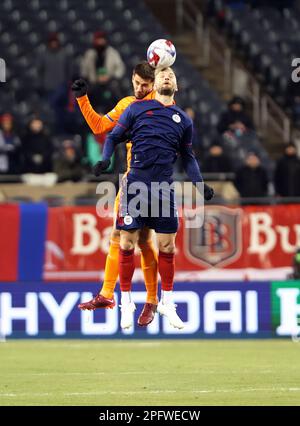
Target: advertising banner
9,242
208,310
71,243
255,242
286,308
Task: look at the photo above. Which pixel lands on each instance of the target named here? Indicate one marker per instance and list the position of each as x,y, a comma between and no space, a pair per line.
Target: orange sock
111,271
149,267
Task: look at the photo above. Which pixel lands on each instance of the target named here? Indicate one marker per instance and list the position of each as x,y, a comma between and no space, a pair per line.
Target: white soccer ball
161,53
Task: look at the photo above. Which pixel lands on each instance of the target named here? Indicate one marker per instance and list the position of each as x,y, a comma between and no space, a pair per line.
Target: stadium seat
267,39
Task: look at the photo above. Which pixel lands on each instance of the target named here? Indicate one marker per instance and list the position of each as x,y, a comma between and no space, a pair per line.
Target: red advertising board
9,242
232,239
77,243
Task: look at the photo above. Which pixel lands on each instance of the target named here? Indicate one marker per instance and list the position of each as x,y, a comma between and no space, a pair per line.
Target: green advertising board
285,307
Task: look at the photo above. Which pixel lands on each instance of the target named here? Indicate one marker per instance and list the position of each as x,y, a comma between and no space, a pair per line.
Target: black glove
79,87
100,167
208,192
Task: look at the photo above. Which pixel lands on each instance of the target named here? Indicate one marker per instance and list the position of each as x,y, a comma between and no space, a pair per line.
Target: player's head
165,81
142,79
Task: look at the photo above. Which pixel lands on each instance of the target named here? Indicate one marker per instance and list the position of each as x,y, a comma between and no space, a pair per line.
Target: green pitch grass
156,372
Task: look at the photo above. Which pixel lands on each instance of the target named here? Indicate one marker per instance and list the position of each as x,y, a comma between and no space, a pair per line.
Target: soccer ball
161,53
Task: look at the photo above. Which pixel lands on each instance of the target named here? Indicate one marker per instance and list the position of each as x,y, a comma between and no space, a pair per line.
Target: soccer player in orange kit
142,81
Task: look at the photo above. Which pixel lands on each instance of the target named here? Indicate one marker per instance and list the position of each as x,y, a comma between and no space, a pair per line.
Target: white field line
109,373
124,373
92,344
165,391
95,344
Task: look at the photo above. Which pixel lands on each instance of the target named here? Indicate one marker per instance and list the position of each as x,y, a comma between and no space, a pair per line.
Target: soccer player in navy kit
159,130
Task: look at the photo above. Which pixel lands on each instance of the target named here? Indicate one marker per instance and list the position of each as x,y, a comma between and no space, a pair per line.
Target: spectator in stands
67,164
55,70
37,148
103,67
239,136
287,173
102,62
94,147
251,179
216,161
67,114
235,120
9,146
54,67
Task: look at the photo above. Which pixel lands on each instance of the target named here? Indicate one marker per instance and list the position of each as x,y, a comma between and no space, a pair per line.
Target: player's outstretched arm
190,164
98,124
79,87
117,136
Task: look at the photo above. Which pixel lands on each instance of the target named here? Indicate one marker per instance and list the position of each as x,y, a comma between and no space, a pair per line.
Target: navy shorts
147,205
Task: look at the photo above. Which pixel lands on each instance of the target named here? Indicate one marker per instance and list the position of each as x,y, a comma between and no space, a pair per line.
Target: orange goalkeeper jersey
105,123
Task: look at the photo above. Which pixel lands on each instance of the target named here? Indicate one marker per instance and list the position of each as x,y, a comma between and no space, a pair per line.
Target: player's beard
166,91
140,95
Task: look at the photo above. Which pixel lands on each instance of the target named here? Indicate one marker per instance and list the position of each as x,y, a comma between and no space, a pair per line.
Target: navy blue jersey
158,133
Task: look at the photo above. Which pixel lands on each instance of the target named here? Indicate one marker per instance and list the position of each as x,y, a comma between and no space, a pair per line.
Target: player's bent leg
105,298
166,267
128,241
149,268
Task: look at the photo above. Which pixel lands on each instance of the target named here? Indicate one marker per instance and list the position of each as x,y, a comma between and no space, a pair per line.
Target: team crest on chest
176,118
128,220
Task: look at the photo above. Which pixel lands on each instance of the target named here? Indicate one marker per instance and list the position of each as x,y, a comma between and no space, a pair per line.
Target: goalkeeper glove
79,87
208,192
100,167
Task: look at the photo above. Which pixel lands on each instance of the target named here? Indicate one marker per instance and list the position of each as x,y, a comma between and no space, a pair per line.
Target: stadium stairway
185,42
209,64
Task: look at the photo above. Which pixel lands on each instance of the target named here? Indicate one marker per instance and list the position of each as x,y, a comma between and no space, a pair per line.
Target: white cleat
127,314
169,310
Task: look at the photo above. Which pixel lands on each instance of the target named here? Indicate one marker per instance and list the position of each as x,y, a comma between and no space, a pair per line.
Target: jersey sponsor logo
176,118
128,220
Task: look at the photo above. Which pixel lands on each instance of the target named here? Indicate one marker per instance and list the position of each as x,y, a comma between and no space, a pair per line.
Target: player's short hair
144,70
